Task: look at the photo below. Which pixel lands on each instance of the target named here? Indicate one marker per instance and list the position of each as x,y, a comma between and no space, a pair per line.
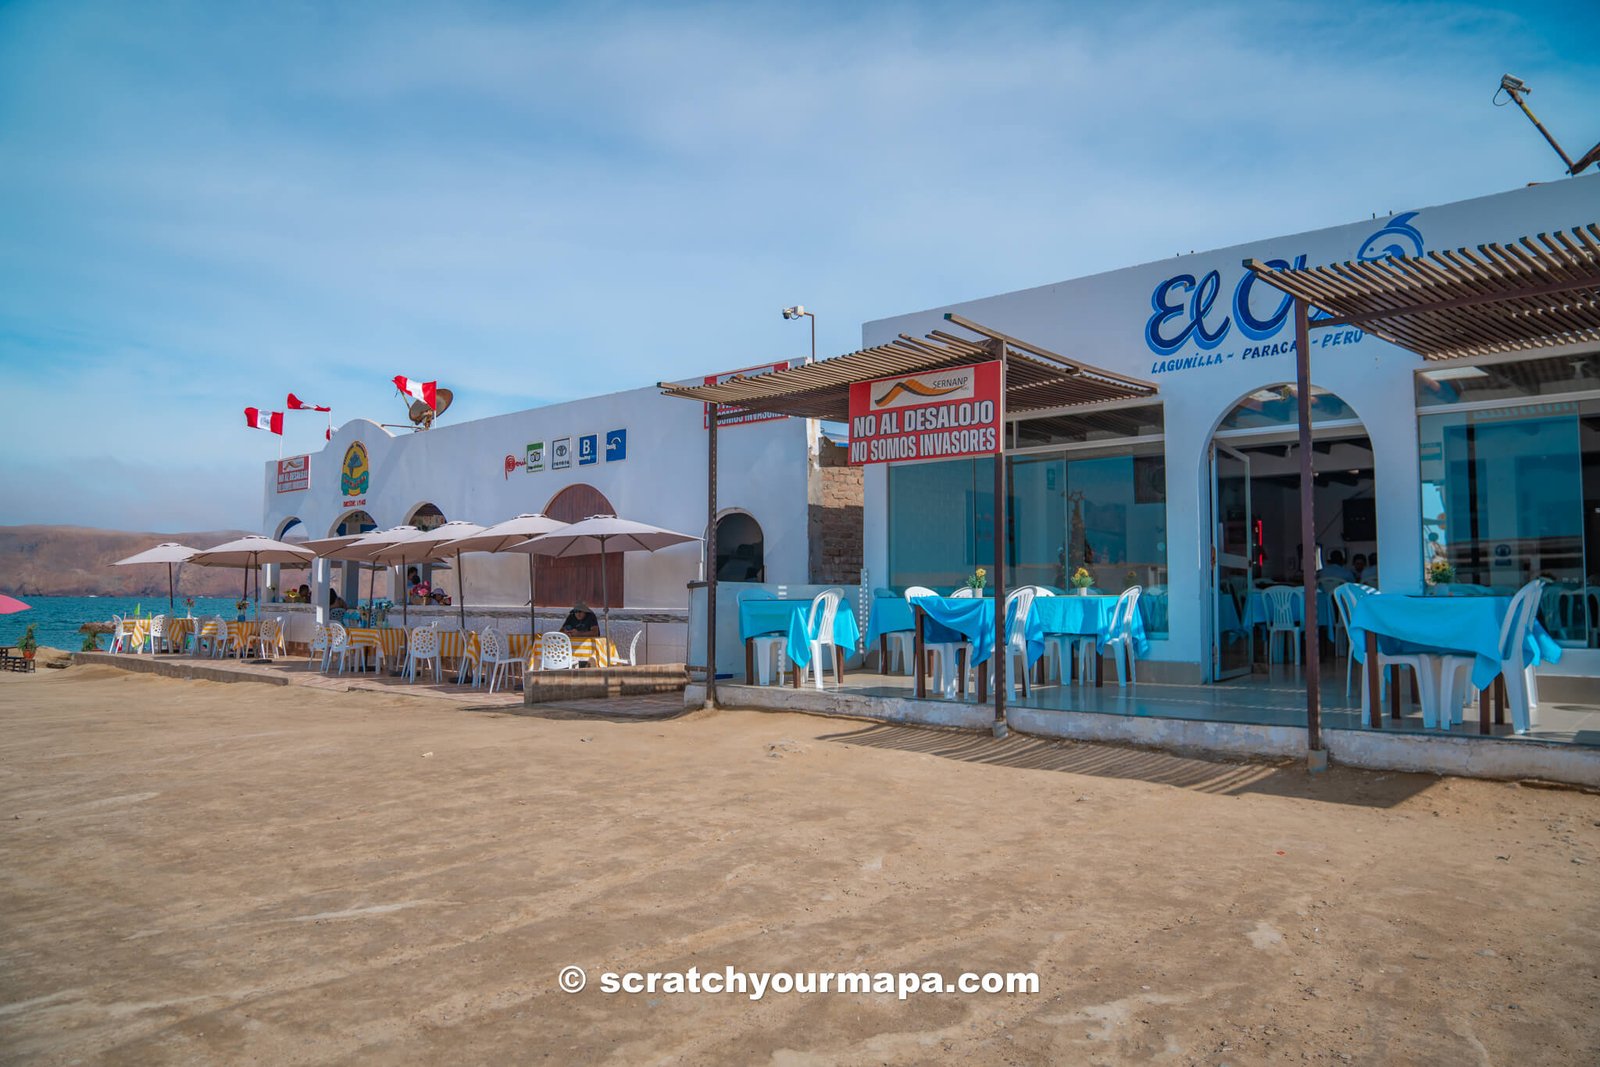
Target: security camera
1514,84
795,312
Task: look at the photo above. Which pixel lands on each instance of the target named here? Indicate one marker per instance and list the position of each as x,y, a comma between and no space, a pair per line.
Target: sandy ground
198,872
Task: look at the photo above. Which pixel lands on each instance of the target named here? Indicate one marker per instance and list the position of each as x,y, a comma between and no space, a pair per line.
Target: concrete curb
186,669
1465,757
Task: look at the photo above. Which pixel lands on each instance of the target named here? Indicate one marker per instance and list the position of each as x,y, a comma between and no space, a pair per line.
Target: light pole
799,311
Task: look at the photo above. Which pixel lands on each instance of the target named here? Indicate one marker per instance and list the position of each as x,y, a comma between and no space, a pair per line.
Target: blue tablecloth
1464,625
893,613
790,617
1072,614
973,617
1261,611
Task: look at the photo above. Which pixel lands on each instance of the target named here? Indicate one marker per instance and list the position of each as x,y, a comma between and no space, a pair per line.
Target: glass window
1510,494
1521,380
1104,510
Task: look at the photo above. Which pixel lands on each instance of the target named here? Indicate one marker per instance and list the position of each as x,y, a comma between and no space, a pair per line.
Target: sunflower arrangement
978,579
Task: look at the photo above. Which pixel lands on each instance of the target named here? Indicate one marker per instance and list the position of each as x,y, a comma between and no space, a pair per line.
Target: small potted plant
240,605
1440,573
976,582
188,604
1081,581
27,644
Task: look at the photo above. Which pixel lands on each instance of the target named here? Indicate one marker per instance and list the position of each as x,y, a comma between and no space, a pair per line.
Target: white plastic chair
158,634
1345,596
1018,603
494,655
765,649
1120,636
423,647
1281,602
824,609
267,638
319,643
339,647
555,652
947,651
965,592
633,648
123,639
217,641
1455,672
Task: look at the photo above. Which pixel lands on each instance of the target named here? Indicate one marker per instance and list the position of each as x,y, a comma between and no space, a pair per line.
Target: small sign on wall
561,453
535,456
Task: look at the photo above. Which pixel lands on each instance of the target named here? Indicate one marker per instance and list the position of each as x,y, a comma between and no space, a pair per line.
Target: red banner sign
734,416
294,474
938,414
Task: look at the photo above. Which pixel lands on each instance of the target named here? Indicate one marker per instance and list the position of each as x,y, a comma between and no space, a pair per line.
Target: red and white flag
262,419
296,404
427,392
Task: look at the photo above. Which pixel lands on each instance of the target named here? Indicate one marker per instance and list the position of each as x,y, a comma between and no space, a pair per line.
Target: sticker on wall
588,449
616,445
560,453
534,460
355,473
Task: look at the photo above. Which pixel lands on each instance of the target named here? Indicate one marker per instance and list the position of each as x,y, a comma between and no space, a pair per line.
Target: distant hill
76,561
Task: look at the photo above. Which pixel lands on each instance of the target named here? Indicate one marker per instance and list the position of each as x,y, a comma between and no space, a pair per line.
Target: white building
1494,467
636,454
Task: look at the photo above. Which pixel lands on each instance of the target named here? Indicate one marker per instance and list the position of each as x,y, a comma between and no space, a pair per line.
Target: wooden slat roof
1036,378
1536,292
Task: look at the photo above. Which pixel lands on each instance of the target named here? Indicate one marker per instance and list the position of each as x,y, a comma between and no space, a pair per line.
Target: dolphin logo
915,388
1399,239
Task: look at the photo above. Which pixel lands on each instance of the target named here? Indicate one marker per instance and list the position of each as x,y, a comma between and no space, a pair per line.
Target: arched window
740,549
349,581
426,517
352,522
563,582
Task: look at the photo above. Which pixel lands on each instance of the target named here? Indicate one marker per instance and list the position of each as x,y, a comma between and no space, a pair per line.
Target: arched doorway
563,582
348,582
1255,538
741,548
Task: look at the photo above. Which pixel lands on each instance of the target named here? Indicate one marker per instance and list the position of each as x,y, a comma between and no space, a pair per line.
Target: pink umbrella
10,605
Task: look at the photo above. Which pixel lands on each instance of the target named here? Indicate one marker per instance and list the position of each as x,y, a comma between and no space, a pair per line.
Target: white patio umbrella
359,549
429,546
250,552
503,536
168,552
602,534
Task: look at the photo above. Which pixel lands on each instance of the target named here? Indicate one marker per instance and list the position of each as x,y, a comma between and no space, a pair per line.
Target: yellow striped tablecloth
178,631
134,632
242,635
598,651
388,641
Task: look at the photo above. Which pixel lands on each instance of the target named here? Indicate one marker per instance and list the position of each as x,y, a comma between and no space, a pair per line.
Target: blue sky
206,205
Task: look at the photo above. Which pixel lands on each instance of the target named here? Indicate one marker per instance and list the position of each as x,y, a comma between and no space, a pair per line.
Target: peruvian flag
427,392
261,419
296,404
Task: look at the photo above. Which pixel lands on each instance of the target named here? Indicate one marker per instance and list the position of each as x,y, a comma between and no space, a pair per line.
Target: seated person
580,622
1335,568
440,597
420,590
301,595
335,601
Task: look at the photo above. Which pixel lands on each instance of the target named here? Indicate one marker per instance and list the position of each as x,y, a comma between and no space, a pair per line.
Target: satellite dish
422,415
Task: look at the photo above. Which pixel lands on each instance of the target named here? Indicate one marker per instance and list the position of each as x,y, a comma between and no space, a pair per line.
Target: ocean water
57,618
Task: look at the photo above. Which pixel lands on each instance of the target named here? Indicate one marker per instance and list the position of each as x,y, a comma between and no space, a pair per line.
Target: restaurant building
1491,464
786,510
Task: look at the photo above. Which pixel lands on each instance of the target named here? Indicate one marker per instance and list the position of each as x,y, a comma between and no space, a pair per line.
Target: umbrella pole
605,596
533,622
461,591
172,605
405,602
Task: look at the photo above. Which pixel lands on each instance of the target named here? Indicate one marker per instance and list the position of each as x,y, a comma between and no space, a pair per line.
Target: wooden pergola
1532,294
1032,379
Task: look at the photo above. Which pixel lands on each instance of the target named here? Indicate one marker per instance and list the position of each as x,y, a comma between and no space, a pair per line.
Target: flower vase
1081,590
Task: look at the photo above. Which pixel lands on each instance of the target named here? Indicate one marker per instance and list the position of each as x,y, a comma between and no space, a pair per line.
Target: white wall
662,481
1103,320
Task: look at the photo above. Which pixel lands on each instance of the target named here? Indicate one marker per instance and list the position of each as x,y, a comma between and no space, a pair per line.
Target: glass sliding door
1232,551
